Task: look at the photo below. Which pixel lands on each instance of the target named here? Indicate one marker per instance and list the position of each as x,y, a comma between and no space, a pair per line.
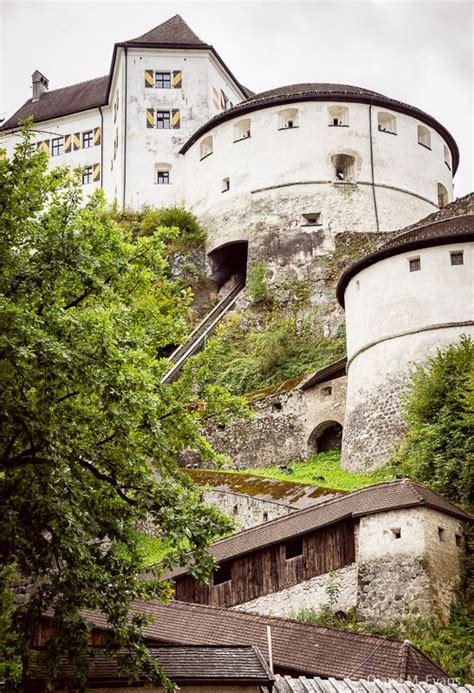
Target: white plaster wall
311,594
302,156
386,299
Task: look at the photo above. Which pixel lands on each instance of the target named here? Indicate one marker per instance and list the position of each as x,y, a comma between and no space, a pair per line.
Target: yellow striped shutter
177,79
150,117
43,146
215,98
149,78
96,172
96,136
67,143
175,119
76,141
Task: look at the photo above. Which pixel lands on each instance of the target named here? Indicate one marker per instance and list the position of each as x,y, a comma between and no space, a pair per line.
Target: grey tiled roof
302,684
389,495
297,647
173,31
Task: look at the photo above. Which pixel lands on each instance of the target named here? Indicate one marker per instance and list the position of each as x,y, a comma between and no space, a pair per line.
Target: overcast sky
417,52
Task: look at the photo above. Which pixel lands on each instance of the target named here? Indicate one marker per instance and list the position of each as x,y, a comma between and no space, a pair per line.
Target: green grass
323,469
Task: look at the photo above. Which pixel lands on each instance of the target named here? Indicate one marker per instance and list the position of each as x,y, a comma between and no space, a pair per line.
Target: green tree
439,410
88,435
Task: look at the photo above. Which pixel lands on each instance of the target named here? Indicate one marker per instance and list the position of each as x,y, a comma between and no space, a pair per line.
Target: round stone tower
286,170
402,302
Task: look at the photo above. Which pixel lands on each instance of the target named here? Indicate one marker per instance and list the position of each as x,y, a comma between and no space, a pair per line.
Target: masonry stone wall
282,426
246,510
312,594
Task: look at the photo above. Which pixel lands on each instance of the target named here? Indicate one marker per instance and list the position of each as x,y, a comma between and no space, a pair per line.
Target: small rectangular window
326,391
57,146
294,548
87,175
458,539
415,264
87,139
457,258
223,574
163,177
163,80
163,120
225,184
441,533
312,219
396,533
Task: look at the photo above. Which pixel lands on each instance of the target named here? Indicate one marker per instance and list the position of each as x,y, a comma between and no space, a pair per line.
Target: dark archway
227,261
326,436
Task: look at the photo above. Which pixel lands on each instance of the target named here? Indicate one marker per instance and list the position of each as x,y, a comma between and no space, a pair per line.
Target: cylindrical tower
402,302
288,169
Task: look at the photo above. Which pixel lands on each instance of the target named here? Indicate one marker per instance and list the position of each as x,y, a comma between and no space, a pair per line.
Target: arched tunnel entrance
326,436
227,261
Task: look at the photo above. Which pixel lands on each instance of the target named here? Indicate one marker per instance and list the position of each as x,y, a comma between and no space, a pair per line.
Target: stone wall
312,594
246,510
282,426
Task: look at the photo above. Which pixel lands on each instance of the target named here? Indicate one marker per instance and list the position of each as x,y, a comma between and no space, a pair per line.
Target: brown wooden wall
267,570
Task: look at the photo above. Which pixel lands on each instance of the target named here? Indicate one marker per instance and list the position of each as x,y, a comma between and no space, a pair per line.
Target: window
387,123
311,219
225,184
242,130
396,533
163,121
57,146
442,196
277,406
326,391
288,118
163,177
223,573
87,138
424,137
447,157
265,516
458,539
87,175
457,257
235,509
338,116
415,264
343,167
294,548
205,148
163,80
441,533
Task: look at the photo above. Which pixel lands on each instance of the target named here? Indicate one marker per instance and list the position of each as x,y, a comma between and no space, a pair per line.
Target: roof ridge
70,86
419,225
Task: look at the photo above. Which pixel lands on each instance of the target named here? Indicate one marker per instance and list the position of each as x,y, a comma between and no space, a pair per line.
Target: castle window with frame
288,119
442,196
338,116
57,146
447,156
293,548
457,257
242,130
343,167
87,175
163,120
311,219
225,185
326,391
396,533
387,123
414,264
163,80
162,174
424,137
87,138
206,147
441,533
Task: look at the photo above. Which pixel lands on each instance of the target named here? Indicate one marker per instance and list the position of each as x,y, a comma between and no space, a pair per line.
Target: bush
257,286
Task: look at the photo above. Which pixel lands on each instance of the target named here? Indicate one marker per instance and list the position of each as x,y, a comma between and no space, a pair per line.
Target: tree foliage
89,436
439,409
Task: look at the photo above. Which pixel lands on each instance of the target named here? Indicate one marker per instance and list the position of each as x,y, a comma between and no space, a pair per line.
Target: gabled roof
324,91
297,647
454,223
288,684
390,495
61,102
174,31
184,665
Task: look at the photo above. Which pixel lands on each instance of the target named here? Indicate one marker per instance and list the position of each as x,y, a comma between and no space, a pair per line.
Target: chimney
40,84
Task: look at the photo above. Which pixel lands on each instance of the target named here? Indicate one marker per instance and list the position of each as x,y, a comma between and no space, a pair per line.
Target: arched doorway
227,261
326,436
